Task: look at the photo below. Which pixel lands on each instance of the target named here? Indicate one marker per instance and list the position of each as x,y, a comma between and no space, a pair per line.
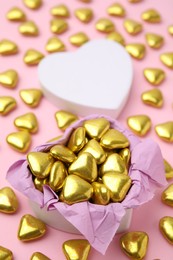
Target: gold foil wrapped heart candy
62,153
78,39
33,4
8,201
154,76
76,249
151,16
136,50
57,176
75,190
8,47
116,10
166,228
54,44
167,195
139,124
96,128
19,141
5,254
7,104
84,14
27,122
167,59
118,184
135,244
117,37
40,164
15,14
39,256
165,131
155,41
32,57
153,98
132,27
113,139
85,167
31,97
9,78
65,119
168,170
30,228
105,25
29,28
60,10
58,26
77,139
101,194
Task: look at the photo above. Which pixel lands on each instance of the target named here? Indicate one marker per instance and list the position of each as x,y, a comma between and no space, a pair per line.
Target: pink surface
145,218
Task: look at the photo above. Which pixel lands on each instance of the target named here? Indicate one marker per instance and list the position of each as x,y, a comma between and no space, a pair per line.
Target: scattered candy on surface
65,119
116,10
136,50
155,41
30,228
32,57
135,244
166,228
29,28
27,122
9,78
154,76
153,98
85,15
167,59
151,16
19,141
170,29
168,170
165,131
33,4
31,97
8,201
5,254
58,26
54,44
39,256
8,47
132,27
117,37
139,124
60,11
7,104
105,25
15,14
76,249
78,39
167,195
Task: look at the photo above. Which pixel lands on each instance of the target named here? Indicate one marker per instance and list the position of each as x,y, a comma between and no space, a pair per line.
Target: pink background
145,218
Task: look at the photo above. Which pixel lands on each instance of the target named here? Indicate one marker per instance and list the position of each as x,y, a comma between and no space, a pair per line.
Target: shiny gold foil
136,50
117,37
85,167
9,78
32,57
116,9
101,194
65,119
132,27
139,124
114,163
78,39
30,228
165,131
167,59
154,40
7,104
54,44
15,14
154,76
118,184
39,256
167,195
135,1
135,244
62,153
29,28
170,29
166,228
76,190
58,26
77,139
8,201
39,183
5,254
85,15
168,170
31,97
151,16
40,164
27,121
76,249
113,139
94,148
60,10
8,47
105,25
32,4
96,128
57,176
153,98
125,155
19,141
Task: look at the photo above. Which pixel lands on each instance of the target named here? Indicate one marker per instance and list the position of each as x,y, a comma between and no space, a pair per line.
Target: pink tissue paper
98,223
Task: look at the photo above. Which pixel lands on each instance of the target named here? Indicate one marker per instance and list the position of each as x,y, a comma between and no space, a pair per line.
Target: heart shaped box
97,223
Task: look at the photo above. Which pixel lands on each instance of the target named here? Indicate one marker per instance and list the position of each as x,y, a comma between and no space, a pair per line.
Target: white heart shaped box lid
95,79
